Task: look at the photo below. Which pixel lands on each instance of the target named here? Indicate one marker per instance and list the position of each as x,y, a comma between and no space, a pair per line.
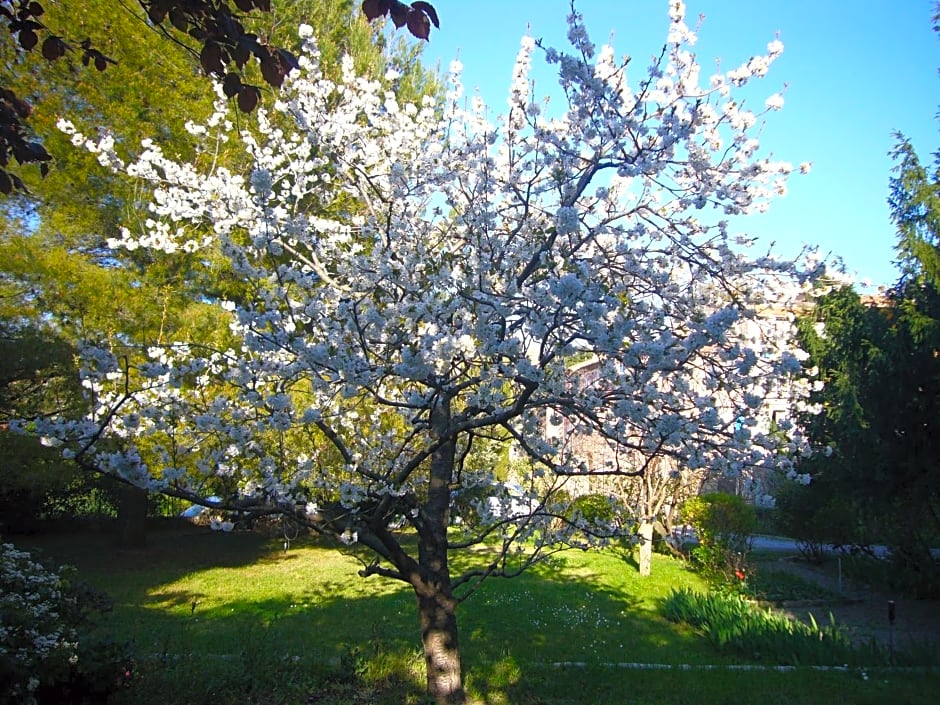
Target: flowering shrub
41,612
36,640
723,524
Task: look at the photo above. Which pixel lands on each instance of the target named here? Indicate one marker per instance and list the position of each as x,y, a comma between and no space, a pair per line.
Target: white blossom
774,102
482,258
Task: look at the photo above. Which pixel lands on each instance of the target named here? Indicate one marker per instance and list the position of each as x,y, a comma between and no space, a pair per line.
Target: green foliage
723,524
768,518
880,406
596,509
37,376
44,655
734,624
817,515
721,519
42,486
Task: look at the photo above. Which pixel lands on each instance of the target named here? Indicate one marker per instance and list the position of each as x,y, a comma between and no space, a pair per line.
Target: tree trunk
432,583
646,547
132,517
441,652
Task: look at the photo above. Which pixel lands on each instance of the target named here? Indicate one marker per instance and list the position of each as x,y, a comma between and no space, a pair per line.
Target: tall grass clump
734,624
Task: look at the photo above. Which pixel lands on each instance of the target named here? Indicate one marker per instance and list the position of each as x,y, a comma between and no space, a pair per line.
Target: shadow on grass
173,546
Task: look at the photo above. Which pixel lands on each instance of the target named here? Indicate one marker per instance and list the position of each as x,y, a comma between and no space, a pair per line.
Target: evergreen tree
880,406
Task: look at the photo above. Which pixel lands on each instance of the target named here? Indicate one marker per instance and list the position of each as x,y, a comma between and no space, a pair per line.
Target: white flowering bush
43,657
418,280
38,636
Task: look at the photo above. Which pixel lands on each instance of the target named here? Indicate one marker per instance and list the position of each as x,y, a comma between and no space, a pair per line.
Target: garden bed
805,590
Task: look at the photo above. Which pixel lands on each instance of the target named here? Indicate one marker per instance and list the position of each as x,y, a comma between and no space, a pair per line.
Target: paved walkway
783,544
860,610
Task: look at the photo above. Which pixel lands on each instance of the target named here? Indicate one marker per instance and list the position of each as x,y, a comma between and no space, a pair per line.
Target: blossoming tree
659,456
466,263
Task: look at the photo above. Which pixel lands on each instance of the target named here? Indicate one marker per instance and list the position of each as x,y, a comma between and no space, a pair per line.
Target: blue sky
855,73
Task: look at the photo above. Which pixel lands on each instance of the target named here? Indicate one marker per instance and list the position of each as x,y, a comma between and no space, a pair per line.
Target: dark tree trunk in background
132,517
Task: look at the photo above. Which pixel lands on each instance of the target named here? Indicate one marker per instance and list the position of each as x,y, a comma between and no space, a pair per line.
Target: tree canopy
58,278
218,33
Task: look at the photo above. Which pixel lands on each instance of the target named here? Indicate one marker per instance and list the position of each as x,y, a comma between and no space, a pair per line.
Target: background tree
653,499
38,376
880,365
878,362
915,211
375,346
845,340
653,471
913,410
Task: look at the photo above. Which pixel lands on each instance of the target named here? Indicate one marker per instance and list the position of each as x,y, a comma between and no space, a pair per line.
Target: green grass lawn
233,618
